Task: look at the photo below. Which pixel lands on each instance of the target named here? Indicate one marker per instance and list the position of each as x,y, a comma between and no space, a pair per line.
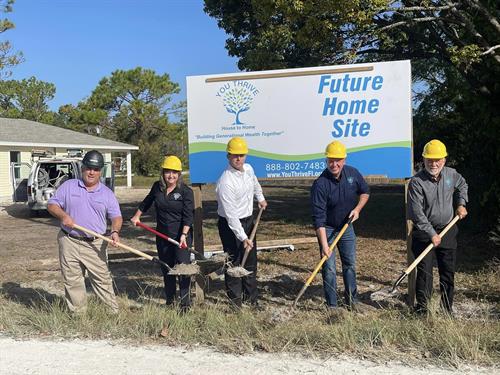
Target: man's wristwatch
114,231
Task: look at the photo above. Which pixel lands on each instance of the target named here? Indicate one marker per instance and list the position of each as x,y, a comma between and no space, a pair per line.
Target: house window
15,157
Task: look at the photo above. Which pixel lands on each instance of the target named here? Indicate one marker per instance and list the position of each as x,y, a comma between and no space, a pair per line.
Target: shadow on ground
30,297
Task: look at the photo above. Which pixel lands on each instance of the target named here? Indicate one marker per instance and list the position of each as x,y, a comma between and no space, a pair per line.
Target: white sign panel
289,116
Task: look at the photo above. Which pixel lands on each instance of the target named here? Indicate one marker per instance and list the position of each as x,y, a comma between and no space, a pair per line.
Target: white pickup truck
46,174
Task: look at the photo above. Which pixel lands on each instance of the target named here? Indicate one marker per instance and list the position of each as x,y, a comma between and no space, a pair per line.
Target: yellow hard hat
172,162
434,149
336,150
237,146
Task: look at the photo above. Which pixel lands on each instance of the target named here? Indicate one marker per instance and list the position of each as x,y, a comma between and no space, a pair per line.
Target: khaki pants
76,256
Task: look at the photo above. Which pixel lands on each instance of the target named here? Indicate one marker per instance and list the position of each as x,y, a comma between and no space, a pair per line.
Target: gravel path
101,357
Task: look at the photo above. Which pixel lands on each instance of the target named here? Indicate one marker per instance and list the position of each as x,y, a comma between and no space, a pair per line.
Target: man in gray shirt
436,194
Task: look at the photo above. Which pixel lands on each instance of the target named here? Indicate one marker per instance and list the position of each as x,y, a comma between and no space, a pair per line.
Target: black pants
172,255
446,258
245,287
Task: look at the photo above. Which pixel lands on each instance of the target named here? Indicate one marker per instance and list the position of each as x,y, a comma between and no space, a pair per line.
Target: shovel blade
238,272
384,293
388,292
185,270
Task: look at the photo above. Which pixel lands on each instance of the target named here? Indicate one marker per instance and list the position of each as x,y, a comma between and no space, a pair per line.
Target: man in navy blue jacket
338,194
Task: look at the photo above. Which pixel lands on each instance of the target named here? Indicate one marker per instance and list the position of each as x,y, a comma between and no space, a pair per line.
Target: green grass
383,335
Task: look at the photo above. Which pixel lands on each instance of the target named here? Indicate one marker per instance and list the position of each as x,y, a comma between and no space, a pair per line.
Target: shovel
119,244
389,292
240,270
171,240
323,260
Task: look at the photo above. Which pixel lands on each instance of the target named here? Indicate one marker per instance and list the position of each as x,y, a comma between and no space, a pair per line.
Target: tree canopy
8,57
132,106
454,47
26,99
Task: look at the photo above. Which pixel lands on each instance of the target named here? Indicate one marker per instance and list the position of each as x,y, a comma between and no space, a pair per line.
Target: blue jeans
347,251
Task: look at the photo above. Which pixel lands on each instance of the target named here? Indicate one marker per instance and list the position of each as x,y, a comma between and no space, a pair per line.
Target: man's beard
435,172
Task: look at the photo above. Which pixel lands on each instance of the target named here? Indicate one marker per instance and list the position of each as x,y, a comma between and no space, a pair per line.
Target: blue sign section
206,167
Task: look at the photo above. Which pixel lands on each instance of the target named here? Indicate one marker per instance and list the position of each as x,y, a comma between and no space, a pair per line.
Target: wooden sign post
198,239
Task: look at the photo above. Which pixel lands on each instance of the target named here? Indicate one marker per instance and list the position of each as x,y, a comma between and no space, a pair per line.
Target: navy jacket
332,200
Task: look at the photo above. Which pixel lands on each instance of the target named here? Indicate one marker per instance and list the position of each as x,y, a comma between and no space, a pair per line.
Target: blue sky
75,43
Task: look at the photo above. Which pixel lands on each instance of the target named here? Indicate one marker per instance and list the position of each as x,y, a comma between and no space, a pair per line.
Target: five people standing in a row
436,194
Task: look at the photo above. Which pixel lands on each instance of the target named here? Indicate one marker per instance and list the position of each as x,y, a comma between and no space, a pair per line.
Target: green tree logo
237,100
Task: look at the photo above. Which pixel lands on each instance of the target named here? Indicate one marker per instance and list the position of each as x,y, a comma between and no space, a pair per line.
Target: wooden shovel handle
254,229
252,236
323,260
332,246
430,247
119,244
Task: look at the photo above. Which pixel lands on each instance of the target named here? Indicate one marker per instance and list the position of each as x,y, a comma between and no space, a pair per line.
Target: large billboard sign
289,116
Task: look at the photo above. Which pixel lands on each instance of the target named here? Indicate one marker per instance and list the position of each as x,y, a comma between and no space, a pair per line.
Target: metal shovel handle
123,246
252,236
323,260
169,239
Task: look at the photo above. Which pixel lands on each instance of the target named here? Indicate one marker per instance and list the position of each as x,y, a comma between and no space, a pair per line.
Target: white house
19,138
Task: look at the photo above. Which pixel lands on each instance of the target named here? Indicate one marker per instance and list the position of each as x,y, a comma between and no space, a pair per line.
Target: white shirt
235,191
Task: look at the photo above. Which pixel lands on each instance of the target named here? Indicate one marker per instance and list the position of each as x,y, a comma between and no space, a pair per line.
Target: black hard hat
93,159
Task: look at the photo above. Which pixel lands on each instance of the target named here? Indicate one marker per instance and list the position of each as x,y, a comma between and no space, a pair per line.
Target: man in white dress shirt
235,191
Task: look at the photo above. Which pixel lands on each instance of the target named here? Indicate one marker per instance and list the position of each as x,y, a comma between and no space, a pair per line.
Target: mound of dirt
185,269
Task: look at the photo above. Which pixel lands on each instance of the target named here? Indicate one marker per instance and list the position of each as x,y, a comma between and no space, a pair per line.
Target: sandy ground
30,269
100,357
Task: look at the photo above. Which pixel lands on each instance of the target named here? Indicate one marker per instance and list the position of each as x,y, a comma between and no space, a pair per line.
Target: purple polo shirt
88,209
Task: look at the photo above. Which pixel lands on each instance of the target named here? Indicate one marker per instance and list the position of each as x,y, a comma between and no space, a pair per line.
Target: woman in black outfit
174,206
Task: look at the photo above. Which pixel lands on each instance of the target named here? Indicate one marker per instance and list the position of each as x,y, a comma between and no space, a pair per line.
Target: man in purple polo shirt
89,203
